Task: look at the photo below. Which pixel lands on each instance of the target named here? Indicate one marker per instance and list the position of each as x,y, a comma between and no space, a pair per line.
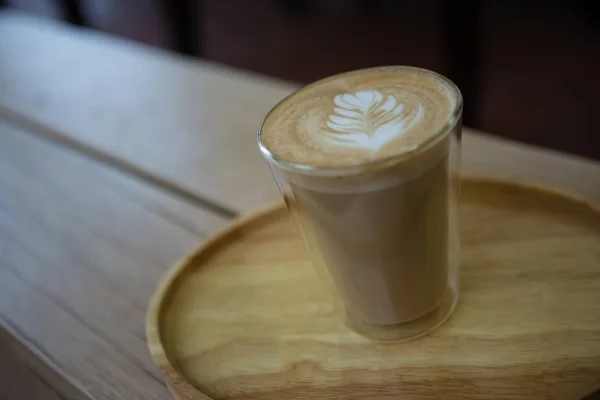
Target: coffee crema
358,117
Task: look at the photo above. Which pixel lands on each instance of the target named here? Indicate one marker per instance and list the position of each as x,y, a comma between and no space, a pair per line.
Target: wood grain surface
81,249
28,374
192,130
245,316
190,125
26,383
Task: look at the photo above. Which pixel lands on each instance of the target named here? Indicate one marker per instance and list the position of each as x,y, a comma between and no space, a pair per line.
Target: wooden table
115,161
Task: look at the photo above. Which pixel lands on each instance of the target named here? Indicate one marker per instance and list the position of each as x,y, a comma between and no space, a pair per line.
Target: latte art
369,120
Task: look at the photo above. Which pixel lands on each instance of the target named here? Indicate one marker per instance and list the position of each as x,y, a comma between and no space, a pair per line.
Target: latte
367,161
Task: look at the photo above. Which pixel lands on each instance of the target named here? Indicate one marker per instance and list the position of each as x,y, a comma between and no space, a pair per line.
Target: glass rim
307,169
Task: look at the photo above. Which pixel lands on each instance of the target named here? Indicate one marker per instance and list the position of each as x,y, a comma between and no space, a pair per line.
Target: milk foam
369,120
361,116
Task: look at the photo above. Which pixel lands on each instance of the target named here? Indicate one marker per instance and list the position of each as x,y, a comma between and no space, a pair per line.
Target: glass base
407,330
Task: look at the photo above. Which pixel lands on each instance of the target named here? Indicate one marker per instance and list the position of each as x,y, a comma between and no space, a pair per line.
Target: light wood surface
81,250
194,129
30,373
115,161
27,384
197,129
245,316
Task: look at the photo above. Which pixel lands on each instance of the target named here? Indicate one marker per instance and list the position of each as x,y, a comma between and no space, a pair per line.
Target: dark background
528,68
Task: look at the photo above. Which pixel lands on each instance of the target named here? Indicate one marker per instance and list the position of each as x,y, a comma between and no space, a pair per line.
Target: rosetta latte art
369,120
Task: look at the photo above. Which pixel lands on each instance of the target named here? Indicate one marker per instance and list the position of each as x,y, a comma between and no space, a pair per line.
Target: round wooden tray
244,317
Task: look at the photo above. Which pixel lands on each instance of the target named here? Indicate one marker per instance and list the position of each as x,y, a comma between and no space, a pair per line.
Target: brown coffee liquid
387,248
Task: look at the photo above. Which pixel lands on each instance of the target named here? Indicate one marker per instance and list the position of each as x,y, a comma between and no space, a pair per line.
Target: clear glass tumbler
384,234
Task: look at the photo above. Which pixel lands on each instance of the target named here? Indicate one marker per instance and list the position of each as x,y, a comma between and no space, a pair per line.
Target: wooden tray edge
176,382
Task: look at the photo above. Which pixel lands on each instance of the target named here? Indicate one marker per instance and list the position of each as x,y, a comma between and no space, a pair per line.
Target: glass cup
384,235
